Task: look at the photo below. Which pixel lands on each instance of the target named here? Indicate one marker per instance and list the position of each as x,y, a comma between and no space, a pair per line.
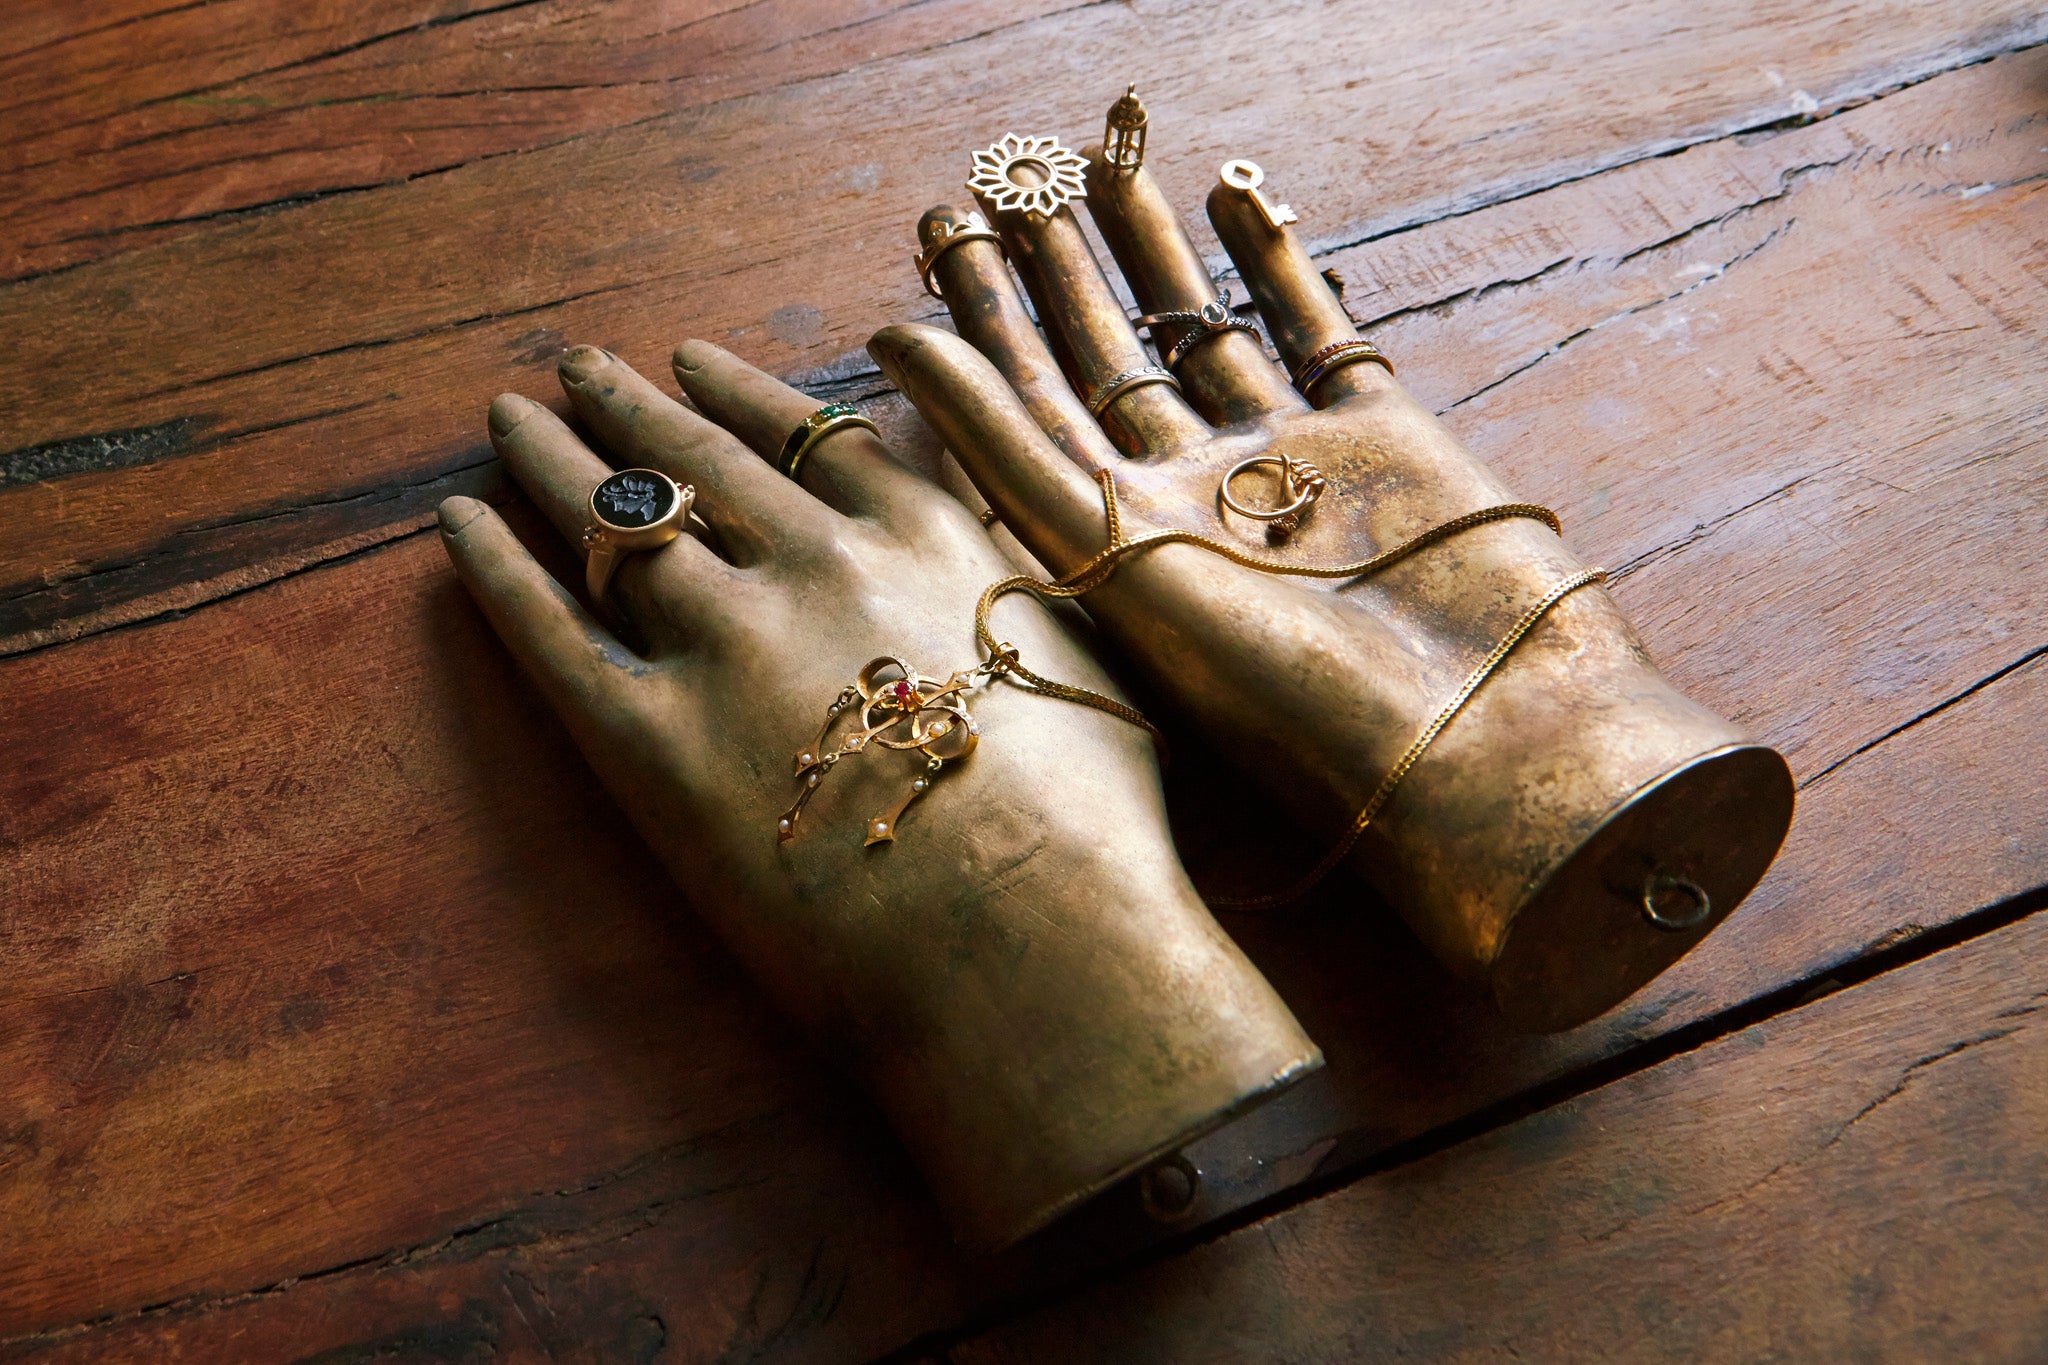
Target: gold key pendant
1246,177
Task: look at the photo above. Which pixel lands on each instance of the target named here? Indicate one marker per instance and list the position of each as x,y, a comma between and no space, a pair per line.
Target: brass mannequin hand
1023,977
1573,829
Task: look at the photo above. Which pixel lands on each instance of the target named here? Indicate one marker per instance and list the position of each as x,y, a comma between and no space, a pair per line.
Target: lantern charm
1123,137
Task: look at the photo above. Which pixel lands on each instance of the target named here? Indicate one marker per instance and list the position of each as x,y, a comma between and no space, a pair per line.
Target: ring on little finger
1334,357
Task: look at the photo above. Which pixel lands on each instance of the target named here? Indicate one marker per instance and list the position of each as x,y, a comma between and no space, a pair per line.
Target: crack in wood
296,63
1558,347
1896,1089
1562,1091
104,28
100,451
527,1226
333,191
2030,657
2023,38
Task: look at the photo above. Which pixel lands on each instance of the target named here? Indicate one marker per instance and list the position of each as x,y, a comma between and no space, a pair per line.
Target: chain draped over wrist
1004,661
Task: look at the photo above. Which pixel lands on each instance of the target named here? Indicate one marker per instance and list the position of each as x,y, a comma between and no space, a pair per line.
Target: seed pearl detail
881,826
919,785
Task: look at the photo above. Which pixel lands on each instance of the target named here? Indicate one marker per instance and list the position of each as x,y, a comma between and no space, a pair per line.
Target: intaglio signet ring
633,510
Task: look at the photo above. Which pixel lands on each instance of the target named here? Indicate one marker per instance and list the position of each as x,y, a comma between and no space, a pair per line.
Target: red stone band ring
1336,356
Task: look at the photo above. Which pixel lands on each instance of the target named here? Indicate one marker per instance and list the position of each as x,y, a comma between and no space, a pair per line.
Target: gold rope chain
1093,574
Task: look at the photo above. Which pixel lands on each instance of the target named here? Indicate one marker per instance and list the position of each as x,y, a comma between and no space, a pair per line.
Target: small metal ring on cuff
814,429
1658,884
1118,385
946,237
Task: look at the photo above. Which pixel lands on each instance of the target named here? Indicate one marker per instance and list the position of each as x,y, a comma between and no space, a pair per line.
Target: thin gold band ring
1118,385
945,237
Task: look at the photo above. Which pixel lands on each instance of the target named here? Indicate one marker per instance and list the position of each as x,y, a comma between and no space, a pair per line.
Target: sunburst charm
1032,174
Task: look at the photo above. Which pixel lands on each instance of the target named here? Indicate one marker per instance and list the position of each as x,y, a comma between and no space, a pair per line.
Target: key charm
1246,177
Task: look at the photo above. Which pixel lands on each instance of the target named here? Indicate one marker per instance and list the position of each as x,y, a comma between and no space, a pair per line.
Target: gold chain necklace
903,711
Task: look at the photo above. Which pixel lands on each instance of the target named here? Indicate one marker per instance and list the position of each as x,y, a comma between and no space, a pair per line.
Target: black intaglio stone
633,499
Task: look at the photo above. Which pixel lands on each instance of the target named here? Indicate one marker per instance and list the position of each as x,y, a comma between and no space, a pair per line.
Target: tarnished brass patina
1021,973
1575,828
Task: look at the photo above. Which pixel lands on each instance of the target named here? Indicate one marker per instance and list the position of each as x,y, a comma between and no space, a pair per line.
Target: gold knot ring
1303,482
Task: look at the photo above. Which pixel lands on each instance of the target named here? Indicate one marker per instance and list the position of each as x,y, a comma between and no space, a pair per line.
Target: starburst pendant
1034,175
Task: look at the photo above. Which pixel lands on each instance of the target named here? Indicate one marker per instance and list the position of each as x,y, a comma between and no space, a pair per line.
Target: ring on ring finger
632,511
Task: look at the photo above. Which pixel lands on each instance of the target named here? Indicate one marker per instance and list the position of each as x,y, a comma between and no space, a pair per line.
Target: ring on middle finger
1213,319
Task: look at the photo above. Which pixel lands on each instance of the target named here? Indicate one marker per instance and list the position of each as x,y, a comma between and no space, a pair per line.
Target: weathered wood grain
1842,555
670,1170
1862,1178
121,136
332,355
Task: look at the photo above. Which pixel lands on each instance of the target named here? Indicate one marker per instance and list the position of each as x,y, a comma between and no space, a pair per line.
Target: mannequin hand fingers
1226,374
1302,312
1091,334
548,462
848,469
752,508
1040,494
660,590
982,296
593,682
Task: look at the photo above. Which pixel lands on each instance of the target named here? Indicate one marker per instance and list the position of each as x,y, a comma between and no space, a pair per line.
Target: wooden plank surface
1861,1179
807,1206
137,127
313,897
276,387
